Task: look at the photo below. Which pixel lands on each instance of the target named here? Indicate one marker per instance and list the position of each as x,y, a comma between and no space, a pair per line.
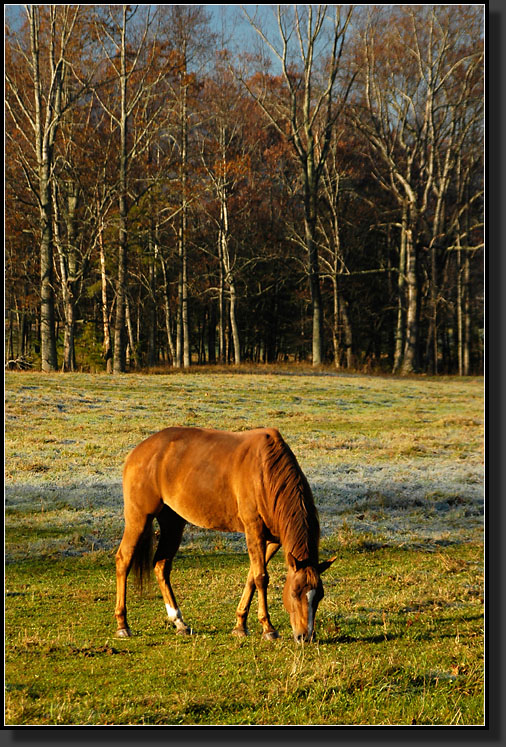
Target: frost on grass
395,461
51,518
410,503
400,504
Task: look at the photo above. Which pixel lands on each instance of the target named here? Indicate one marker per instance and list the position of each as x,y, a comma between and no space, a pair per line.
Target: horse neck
299,533
298,524
294,514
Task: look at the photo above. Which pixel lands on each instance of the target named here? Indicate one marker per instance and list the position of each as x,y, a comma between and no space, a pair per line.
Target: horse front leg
257,553
247,595
243,606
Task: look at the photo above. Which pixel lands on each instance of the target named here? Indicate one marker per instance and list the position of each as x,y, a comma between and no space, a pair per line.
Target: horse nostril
300,637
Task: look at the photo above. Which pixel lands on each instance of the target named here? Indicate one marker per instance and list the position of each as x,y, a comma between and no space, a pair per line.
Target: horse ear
326,564
292,562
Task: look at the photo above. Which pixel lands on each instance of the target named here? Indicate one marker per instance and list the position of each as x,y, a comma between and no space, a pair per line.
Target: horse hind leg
171,533
133,543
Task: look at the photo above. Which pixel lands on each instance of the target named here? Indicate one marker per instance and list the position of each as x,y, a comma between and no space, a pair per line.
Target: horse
249,482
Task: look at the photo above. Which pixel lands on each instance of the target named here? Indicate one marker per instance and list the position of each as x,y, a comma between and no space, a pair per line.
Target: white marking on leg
175,617
310,613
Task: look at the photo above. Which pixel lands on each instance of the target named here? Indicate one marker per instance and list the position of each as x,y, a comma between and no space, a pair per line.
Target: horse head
302,594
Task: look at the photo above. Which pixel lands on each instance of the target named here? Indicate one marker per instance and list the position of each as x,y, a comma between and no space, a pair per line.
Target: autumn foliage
172,200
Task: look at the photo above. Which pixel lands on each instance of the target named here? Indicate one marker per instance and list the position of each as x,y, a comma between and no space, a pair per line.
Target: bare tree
36,78
189,37
333,264
162,201
136,66
411,125
225,158
310,105
388,104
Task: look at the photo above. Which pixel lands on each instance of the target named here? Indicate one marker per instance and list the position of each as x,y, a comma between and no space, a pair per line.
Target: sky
228,20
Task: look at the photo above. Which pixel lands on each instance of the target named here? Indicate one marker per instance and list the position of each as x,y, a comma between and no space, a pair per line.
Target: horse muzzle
303,637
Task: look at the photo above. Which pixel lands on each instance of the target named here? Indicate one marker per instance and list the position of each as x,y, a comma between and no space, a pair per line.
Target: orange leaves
233,168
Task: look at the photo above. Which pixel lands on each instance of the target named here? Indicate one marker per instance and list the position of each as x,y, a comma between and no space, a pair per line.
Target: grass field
396,467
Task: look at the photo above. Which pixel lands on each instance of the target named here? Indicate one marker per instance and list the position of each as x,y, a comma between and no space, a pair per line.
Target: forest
195,185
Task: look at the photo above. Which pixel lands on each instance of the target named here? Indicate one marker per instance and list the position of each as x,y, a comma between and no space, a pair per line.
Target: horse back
211,478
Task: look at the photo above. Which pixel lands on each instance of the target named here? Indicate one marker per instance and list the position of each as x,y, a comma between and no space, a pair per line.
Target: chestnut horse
246,482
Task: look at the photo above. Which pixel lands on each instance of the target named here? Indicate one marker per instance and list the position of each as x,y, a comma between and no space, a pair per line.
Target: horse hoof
123,633
270,636
240,632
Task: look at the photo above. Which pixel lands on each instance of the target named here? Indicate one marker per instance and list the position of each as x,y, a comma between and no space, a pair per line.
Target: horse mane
293,511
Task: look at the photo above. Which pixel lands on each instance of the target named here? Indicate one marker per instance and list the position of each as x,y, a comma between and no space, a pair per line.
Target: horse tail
142,560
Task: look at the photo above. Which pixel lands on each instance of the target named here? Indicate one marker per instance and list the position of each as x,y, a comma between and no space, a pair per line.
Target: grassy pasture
396,468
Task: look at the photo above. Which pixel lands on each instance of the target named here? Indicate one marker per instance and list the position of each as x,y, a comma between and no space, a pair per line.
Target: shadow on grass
445,627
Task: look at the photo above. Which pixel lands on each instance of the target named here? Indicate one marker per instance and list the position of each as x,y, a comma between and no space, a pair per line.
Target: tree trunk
47,313
335,322
348,334
166,303
107,348
45,136
211,333
310,201
183,346
233,323
183,332
66,253
316,298
466,358
410,346
184,308
69,360
463,315
228,276
221,309
401,290
119,355
433,304
129,328
152,317
10,343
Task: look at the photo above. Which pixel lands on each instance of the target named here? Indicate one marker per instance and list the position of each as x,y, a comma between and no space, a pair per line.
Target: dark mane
294,513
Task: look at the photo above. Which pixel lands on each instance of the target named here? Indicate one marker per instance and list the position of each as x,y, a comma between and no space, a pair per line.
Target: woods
304,184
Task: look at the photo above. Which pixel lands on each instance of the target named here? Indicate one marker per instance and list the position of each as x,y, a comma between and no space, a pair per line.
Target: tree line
173,199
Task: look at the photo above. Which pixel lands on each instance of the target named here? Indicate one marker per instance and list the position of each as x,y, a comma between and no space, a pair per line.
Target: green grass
399,640
396,469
